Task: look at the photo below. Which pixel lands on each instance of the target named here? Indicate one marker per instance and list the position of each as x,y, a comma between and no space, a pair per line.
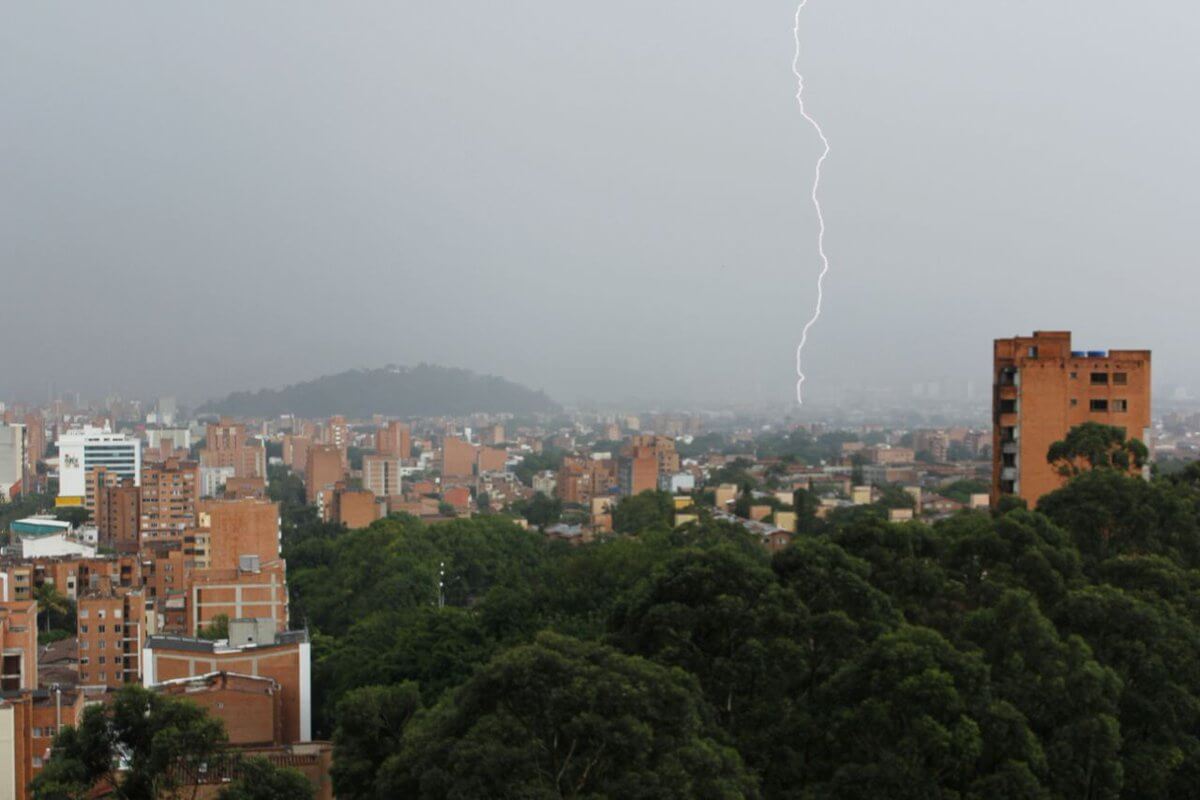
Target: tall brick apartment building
1042,388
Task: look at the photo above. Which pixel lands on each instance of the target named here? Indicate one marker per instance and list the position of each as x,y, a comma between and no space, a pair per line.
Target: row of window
1103,405
100,613
1101,378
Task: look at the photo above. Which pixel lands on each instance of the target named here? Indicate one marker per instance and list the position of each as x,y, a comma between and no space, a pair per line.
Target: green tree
218,628
650,509
565,718
1069,700
370,729
1155,651
961,490
53,607
259,779
540,510
77,516
155,738
806,504
1099,447
1109,513
720,614
912,717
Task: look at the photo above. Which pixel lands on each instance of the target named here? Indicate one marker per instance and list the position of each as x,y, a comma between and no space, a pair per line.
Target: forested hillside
425,389
1049,654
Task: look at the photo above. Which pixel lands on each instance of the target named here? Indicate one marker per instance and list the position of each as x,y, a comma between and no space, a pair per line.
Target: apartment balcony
1008,474
1011,447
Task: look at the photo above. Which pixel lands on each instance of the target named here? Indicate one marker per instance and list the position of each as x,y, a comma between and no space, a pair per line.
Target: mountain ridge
423,390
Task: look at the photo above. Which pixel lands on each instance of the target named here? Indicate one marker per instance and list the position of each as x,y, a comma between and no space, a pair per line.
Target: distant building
82,450
118,516
173,438
295,452
111,627
231,529
458,458
226,445
13,460
1042,389
381,475
394,439
677,483
355,508
545,482
637,472
323,471
169,493
46,537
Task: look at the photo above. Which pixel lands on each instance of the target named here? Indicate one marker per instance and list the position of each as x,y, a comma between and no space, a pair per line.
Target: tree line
1031,654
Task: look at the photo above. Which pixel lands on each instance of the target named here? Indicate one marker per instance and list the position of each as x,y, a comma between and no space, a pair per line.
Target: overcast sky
603,200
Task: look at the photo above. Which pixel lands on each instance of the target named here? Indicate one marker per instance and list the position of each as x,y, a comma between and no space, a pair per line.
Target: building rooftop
194,645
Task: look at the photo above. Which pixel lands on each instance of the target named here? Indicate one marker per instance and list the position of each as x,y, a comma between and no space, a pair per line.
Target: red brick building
395,439
170,491
1042,388
323,471
118,516
226,445
230,529
111,627
252,649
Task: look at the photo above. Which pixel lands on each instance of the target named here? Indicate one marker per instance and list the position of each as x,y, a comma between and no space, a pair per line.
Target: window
83,629
1099,405
1032,352
1099,379
1120,378
1120,406
1008,406
1074,375
1074,402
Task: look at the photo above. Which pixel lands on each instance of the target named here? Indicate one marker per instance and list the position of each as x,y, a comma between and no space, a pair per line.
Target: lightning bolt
816,204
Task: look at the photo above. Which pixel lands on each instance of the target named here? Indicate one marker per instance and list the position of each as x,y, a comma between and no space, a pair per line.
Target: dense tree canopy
1043,654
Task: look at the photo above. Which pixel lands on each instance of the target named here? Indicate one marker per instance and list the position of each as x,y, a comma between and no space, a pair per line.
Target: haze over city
605,202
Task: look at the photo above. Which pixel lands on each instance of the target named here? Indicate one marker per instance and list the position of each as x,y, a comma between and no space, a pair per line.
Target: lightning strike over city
816,200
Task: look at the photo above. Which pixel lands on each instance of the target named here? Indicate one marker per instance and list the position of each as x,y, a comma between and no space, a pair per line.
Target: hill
395,391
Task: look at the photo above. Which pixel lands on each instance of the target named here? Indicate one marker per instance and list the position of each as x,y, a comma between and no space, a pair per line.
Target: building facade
82,450
1042,389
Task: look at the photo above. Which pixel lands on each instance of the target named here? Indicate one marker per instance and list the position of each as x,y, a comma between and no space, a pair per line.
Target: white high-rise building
81,450
12,458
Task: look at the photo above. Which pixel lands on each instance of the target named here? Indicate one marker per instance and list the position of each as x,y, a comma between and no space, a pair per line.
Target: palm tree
50,601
